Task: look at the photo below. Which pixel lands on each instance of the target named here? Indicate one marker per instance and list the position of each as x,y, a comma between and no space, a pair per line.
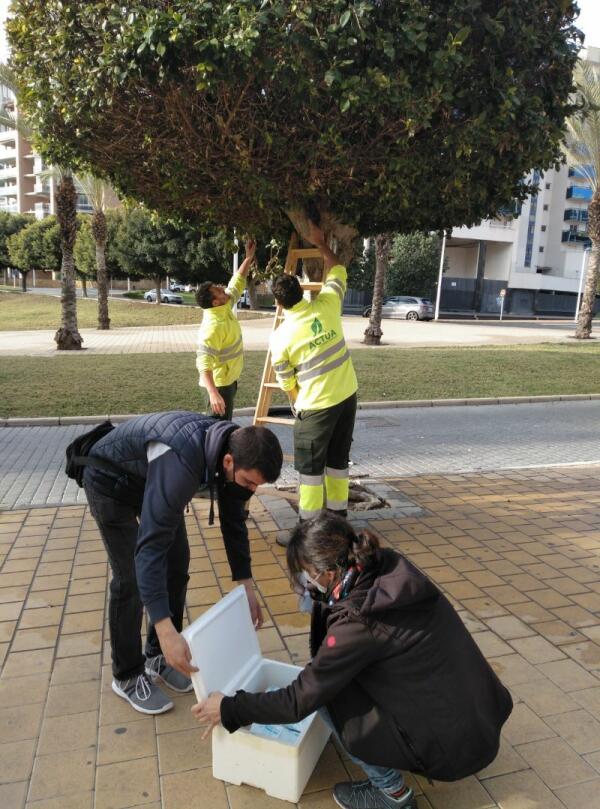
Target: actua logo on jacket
320,338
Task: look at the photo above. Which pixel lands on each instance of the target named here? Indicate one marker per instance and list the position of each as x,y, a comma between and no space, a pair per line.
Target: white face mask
308,581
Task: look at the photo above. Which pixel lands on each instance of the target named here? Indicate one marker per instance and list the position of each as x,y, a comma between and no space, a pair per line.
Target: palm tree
582,149
383,246
101,196
67,337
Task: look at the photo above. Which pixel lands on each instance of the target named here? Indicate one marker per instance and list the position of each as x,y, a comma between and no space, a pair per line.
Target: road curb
63,421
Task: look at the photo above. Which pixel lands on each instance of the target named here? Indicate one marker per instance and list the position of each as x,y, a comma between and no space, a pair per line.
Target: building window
541,249
547,186
545,207
543,228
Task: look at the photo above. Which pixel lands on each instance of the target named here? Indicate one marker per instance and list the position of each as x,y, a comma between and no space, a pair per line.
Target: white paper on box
277,758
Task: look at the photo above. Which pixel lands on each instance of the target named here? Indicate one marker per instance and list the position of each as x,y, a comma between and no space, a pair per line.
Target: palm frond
582,142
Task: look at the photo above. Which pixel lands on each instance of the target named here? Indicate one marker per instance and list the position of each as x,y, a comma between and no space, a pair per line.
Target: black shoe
363,795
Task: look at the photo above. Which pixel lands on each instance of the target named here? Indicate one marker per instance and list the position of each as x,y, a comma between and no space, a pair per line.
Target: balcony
576,215
8,190
571,237
579,192
581,172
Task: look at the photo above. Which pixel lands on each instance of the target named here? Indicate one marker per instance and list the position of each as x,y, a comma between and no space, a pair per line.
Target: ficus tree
382,116
35,247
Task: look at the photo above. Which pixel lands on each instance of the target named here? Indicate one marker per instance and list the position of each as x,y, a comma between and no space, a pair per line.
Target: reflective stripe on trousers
337,485
310,491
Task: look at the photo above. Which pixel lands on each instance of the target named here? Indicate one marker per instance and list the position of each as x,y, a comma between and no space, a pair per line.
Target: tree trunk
588,300
343,239
84,291
67,337
252,293
24,281
157,281
373,333
100,232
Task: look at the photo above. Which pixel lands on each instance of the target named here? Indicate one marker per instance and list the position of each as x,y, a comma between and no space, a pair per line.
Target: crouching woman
394,671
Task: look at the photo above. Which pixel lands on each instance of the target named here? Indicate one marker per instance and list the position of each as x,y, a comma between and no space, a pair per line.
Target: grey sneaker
142,695
159,670
363,795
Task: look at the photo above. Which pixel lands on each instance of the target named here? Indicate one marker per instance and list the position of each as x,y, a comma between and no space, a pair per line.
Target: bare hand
177,653
208,712
250,247
217,403
255,610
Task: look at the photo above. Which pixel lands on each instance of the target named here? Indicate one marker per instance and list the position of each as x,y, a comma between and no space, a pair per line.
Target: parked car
166,296
177,287
405,306
244,300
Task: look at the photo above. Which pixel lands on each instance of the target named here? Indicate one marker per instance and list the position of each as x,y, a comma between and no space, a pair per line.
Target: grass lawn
27,312
79,384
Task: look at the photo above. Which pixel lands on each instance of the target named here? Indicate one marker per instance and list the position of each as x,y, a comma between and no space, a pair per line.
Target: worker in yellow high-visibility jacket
313,366
220,356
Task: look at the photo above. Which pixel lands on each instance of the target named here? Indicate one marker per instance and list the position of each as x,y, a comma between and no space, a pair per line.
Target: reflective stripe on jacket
308,350
220,348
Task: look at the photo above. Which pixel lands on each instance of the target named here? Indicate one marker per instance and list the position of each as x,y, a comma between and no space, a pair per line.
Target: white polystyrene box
225,649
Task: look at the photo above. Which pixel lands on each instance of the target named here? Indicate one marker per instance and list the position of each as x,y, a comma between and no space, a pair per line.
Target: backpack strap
99,463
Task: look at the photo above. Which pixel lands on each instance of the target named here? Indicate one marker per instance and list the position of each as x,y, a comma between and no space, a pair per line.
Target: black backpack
78,457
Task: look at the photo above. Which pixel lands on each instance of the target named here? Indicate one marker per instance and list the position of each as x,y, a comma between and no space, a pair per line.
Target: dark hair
204,296
257,448
287,290
327,542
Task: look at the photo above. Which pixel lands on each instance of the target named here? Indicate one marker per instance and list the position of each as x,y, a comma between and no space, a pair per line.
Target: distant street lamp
440,276
582,275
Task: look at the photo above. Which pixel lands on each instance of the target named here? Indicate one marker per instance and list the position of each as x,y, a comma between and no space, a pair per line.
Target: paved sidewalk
517,552
400,333
387,443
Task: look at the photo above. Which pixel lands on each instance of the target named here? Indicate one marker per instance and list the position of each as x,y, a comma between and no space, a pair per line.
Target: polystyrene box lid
224,644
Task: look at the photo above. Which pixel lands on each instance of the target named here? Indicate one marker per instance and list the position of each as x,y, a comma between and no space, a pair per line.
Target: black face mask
234,490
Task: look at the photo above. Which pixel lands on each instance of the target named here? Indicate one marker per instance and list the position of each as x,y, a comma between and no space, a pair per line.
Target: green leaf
345,18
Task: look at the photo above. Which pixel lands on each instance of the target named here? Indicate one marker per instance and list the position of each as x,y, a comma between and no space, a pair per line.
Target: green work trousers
322,440
228,393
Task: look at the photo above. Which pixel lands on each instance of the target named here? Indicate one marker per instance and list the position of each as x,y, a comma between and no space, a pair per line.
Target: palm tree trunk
373,332
67,337
24,281
588,300
157,281
100,232
252,294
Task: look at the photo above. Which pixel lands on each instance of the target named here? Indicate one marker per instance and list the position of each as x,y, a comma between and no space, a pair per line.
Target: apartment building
25,184
536,252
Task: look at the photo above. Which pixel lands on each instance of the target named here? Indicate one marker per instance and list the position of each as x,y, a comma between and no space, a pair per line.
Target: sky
589,21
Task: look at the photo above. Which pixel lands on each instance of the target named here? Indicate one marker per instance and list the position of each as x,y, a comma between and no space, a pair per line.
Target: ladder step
273,385
311,285
273,420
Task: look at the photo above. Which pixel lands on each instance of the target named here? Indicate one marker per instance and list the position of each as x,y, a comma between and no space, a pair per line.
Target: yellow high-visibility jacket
220,348
309,350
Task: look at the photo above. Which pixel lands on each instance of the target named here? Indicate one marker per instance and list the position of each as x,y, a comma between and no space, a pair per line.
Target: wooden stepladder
268,383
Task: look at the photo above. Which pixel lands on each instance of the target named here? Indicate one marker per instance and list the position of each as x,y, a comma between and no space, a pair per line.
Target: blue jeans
381,777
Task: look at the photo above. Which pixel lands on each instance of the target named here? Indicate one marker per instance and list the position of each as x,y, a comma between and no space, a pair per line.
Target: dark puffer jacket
159,491
404,682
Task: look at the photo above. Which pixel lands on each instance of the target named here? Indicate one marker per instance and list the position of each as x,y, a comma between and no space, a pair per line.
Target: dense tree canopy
10,223
391,115
414,265
36,246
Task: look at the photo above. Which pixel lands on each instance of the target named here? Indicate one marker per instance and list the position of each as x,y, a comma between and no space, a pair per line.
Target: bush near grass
27,312
77,384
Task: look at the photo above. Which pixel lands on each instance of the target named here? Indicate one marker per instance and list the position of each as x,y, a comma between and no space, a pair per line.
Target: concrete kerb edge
62,421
